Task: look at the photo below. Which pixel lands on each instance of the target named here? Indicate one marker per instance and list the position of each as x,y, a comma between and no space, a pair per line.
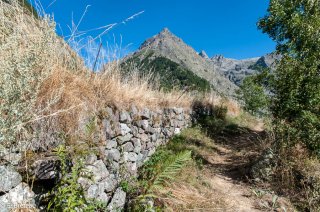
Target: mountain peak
165,31
162,37
169,46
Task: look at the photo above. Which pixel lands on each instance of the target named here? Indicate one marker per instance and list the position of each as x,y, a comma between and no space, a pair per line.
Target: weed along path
217,178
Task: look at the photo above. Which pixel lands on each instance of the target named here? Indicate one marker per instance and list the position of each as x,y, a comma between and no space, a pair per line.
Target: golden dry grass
78,94
234,108
42,77
194,190
44,82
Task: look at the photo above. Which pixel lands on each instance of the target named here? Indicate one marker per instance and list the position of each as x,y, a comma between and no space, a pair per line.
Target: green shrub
211,118
253,93
295,100
295,26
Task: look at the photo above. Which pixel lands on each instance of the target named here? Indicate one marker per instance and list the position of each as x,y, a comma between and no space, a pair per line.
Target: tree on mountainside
253,92
295,26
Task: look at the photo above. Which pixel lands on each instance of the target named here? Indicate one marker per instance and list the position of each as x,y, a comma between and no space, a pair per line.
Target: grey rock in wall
113,154
20,196
118,200
111,144
98,170
9,178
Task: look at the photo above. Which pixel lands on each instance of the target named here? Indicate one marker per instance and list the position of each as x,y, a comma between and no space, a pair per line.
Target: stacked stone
129,137
13,192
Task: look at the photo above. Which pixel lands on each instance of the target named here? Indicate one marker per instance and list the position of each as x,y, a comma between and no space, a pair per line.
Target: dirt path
223,183
228,167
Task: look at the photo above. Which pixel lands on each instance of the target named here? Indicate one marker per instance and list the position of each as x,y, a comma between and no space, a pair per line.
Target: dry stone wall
129,138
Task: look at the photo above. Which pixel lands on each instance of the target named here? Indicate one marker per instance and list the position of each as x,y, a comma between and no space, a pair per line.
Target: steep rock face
234,70
165,44
268,60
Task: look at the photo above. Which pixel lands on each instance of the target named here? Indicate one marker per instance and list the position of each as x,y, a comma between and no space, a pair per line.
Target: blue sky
219,27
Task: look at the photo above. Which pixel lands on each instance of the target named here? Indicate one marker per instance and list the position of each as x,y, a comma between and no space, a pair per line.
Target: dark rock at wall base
45,168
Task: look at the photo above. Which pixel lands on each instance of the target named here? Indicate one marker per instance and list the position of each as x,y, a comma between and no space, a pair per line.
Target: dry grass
234,108
45,84
83,93
297,175
30,52
194,190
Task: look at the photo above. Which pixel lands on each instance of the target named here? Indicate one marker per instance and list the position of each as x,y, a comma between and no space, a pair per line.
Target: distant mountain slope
234,70
166,45
237,70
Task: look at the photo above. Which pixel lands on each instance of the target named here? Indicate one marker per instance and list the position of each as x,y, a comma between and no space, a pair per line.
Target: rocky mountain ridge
224,74
165,44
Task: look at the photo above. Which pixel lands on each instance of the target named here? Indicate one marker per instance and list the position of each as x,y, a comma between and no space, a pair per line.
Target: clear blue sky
225,27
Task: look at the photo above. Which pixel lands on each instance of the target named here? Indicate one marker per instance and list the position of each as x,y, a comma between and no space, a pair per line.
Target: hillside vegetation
170,74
